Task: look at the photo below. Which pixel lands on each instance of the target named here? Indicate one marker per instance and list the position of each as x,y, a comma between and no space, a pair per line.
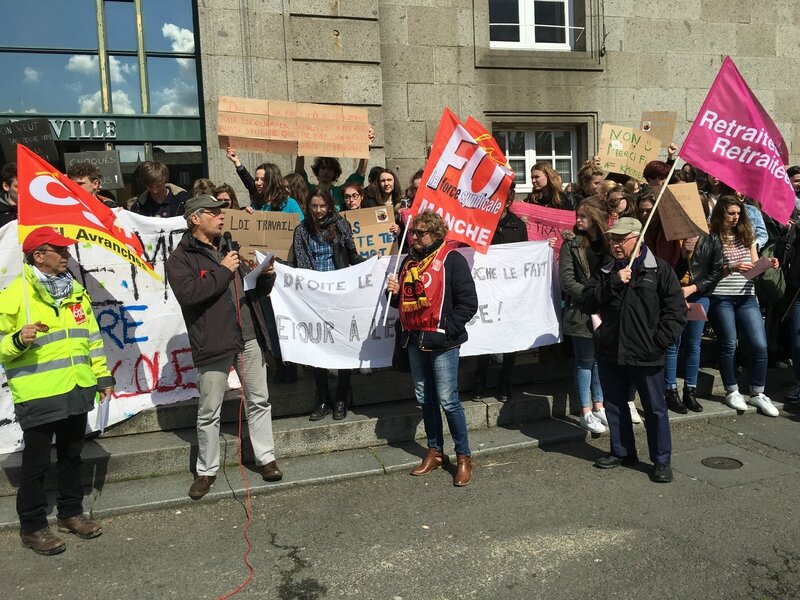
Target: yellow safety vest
69,354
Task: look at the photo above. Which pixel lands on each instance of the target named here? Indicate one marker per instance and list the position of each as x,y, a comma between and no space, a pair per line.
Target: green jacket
43,378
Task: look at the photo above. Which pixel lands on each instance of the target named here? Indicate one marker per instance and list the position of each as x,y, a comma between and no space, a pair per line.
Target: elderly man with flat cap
226,329
53,356
642,312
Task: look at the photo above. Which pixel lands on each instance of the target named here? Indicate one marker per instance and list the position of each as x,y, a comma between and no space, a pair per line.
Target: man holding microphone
226,329
52,353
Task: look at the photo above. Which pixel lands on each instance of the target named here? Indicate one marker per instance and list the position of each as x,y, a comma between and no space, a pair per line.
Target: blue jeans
726,313
435,377
690,339
796,338
587,379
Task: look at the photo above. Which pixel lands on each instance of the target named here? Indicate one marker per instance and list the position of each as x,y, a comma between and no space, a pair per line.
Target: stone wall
405,60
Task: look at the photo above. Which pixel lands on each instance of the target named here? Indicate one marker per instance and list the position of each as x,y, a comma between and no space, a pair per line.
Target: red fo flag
48,198
466,181
734,139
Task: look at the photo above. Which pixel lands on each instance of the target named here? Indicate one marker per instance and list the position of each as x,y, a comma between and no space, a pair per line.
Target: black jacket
202,288
458,307
7,213
510,229
172,207
705,268
640,319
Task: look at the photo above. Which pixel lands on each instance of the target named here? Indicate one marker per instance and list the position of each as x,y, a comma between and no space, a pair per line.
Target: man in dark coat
642,312
226,329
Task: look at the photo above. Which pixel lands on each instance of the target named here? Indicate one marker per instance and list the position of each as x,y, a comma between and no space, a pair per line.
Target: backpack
771,284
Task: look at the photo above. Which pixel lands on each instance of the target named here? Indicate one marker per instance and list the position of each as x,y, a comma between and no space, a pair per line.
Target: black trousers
342,384
31,495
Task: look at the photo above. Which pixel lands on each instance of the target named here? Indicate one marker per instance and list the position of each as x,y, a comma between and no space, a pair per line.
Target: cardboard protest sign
681,212
267,231
544,222
106,162
465,181
626,150
660,124
33,133
281,127
371,230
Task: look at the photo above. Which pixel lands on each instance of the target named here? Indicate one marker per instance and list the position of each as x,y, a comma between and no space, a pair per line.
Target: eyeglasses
418,232
61,251
620,241
351,196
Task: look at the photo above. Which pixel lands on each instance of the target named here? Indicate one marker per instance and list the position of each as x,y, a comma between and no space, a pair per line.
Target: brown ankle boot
463,471
433,460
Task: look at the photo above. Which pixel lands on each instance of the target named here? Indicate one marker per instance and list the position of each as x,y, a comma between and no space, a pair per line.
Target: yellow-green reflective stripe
52,365
97,353
56,336
78,333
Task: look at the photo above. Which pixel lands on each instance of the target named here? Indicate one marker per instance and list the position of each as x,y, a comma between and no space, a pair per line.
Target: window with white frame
525,147
533,25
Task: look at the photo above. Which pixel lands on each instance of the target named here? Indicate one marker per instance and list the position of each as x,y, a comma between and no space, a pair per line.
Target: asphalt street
535,523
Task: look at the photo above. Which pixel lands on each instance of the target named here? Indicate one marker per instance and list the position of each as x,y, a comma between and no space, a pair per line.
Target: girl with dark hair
583,253
324,242
389,189
225,193
297,189
733,306
620,203
268,190
547,188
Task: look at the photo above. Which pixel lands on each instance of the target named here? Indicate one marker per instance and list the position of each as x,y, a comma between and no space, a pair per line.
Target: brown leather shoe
82,526
433,460
43,542
270,471
463,470
201,485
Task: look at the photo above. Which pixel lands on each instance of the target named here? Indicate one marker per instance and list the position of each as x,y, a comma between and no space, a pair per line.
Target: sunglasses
417,232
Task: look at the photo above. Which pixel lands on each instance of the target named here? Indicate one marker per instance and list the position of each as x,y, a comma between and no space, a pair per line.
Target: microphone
230,244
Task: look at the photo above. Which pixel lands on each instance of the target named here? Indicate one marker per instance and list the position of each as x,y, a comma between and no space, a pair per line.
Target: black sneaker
320,412
610,461
690,399
674,403
662,474
339,410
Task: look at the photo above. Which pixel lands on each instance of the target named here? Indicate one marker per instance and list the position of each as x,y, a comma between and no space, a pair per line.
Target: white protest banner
143,330
333,319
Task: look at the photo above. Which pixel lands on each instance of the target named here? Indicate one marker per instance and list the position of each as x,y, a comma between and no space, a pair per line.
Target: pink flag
734,139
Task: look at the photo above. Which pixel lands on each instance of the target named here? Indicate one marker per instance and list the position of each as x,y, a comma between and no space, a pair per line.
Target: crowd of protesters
632,298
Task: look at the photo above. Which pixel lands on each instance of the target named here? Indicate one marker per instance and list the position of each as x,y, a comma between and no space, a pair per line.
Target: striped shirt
734,284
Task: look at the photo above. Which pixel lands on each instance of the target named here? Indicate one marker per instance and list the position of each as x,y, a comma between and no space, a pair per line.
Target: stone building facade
405,60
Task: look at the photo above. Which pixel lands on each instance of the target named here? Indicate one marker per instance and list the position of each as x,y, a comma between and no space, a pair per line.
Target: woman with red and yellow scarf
436,298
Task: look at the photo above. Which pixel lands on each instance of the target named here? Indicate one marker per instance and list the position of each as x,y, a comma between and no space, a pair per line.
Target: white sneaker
590,423
634,414
764,404
600,415
735,400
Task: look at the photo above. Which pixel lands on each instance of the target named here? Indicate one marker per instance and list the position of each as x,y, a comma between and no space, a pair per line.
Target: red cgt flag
466,181
48,198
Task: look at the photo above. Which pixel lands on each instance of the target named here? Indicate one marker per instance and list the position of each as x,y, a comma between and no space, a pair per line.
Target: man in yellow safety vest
55,363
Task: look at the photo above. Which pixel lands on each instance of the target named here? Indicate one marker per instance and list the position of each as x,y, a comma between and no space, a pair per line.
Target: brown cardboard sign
660,124
371,230
681,212
626,150
281,127
262,230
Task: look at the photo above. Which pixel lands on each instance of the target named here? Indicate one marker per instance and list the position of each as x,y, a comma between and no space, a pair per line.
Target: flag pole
396,270
25,299
640,241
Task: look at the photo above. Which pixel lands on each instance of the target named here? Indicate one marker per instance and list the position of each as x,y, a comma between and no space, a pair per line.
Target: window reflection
49,24
173,86
50,83
168,26
120,26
